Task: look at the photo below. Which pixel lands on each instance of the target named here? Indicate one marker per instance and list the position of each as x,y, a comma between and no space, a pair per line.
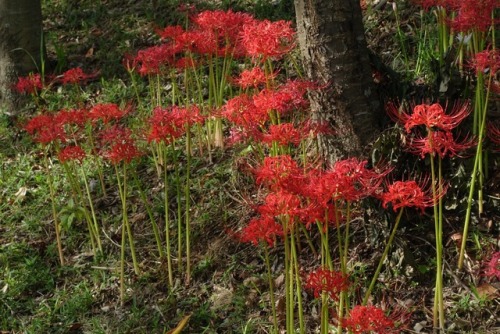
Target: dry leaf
21,194
90,53
487,291
180,326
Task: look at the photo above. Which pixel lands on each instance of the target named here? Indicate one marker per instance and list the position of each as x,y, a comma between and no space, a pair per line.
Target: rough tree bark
334,52
20,45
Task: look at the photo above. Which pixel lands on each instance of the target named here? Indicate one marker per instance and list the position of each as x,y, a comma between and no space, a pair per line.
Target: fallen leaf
487,291
180,326
89,53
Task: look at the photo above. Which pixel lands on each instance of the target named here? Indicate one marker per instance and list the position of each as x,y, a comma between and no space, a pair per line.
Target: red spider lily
318,213
329,281
430,116
265,39
368,319
167,124
185,63
45,129
349,179
76,76
285,99
283,134
279,172
120,146
170,32
253,78
241,135
263,229
440,143
241,110
493,266
486,60
29,84
406,194
280,204
472,15
156,59
107,112
225,24
188,115
71,153
77,117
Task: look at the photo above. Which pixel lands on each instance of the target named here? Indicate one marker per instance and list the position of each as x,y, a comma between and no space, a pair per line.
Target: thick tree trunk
20,45
334,52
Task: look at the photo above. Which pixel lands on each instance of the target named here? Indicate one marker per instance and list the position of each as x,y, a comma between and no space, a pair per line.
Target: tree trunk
20,45
334,52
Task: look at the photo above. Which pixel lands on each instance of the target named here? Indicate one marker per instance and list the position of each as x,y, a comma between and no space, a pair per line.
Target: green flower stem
122,188
188,204
438,311
54,211
77,195
477,162
271,289
144,199
382,259
288,279
298,285
122,267
167,219
92,211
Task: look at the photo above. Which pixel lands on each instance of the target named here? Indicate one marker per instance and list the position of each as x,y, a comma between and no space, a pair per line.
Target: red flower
264,39
439,143
350,180
368,319
473,15
329,281
263,229
107,112
253,78
29,85
170,32
241,111
430,116
71,153
285,99
164,126
405,194
77,117
188,115
120,146
156,59
487,60
493,266
45,129
283,134
279,172
75,76
280,204
168,124
222,29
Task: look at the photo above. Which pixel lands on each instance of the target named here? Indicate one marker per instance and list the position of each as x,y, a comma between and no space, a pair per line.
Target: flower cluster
493,266
368,319
328,281
437,137
406,194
